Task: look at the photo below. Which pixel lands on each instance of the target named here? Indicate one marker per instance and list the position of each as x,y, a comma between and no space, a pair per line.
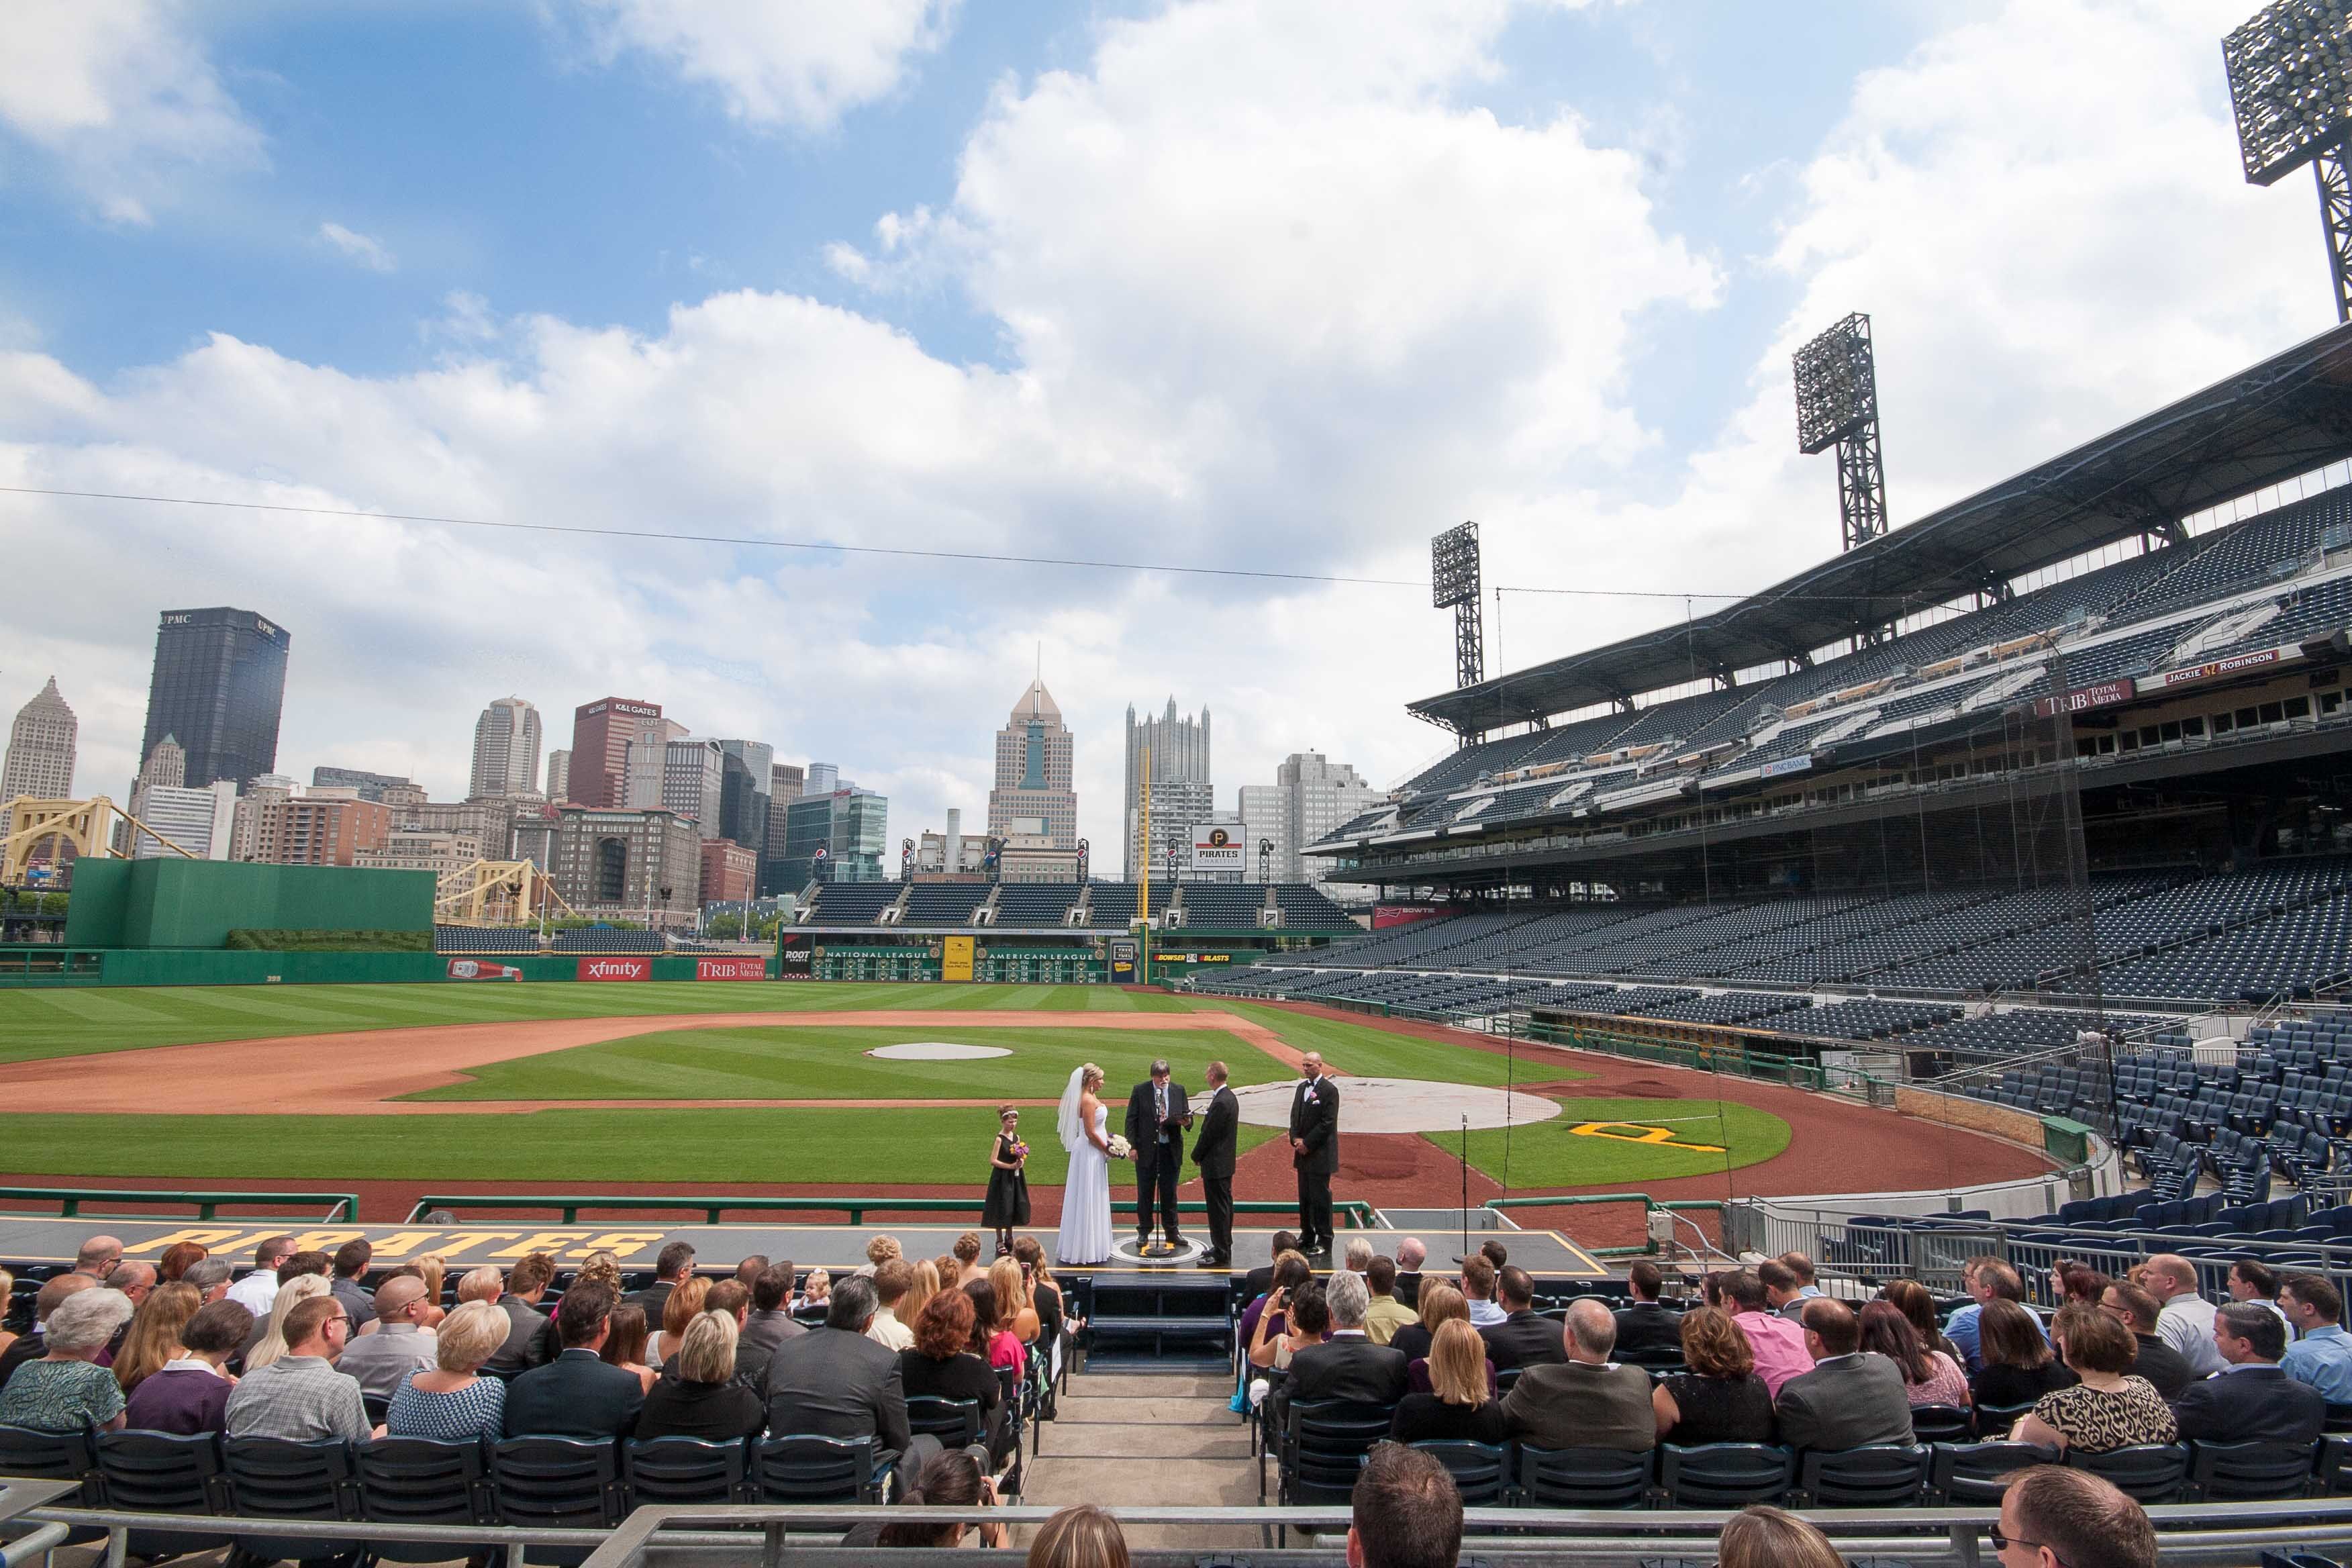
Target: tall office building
632,865
1264,820
320,829
40,762
219,684
692,782
1311,796
601,733
1034,796
506,749
823,778
784,783
387,788
1181,795
851,825
745,779
198,821
559,774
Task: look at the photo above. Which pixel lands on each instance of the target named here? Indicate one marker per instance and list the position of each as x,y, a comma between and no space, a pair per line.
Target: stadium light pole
2287,71
1453,584
1837,405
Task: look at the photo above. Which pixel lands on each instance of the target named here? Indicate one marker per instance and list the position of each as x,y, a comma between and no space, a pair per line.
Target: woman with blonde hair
685,1304
1013,1308
926,1286
293,1293
432,1268
1762,1536
1080,1537
1440,1305
1457,1404
599,1268
452,1401
1081,1122
703,1400
7,1285
154,1336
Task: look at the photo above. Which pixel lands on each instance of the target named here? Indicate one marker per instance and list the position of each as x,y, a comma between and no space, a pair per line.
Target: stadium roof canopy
2287,415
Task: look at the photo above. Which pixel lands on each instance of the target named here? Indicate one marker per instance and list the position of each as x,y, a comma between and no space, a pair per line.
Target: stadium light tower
1453,584
2287,84
1837,405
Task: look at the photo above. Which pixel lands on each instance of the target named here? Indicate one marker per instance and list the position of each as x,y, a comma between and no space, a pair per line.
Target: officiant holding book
1157,1115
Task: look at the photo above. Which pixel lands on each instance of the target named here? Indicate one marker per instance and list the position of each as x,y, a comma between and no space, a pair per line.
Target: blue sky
1287,285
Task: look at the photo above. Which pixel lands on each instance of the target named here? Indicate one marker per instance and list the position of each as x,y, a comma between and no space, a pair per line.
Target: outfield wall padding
173,903
196,966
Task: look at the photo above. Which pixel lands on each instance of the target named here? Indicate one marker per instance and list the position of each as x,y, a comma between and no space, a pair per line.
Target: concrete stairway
1143,1438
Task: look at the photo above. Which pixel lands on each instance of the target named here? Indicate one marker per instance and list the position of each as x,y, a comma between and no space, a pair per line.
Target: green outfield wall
67,965
173,903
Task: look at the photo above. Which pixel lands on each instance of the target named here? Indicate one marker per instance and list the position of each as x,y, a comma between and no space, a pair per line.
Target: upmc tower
219,682
601,733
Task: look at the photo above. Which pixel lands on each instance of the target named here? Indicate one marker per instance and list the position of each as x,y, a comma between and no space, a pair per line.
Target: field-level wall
172,903
67,965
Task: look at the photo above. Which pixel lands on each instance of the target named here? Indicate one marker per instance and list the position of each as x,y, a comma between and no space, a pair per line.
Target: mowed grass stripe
558,1151
830,1063
1550,1154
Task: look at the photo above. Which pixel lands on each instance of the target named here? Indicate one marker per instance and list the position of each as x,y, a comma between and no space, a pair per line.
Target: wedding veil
1074,1133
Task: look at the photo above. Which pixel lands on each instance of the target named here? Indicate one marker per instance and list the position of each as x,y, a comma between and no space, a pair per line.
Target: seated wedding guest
2251,1280
1013,1299
1779,1344
45,1301
1359,1255
271,1342
530,1334
2078,1282
482,1283
1929,1377
705,1400
1477,1282
578,1393
601,1268
1647,1325
748,1270
679,1308
1987,1279
1044,1292
922,1284
351,1261
952,1480
893,1278
950,1272
451,1399
1762,1536
967,1256
1802,1266
2184,1318
210,1276
1082,1537
879,1251
1586,1401
398,1347
833,1382
673,1264
2109,1407
1522,1337
939,1364
1440,1304
1410,1254
177,1259
1457,1404
1347,1365
301,1396
2251,1400
1302,1318
1851,1399
992,1328
2053,1516
2321,1355
2018,1367
1916,1304
1386,1314
1405,1512
434,1270
770,1324
625,1345
1290,1272
2165,1369
65,1389
1780,1287
257,1292
153,1337
190,1395
1717,1397
1259,1281
818,1289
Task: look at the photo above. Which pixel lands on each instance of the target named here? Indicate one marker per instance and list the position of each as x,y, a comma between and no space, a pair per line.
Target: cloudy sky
1284,285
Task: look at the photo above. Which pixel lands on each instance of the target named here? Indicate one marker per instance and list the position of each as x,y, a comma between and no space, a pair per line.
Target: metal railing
1649,1247
340,1206
2192,1532
1355,1213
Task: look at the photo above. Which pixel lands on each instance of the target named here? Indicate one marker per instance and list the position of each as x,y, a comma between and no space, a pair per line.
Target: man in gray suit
1852,1399
1584,1402
770,1324
833,1382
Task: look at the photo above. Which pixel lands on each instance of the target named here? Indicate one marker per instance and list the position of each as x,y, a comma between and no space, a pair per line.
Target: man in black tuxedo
1314,1151
1212,1152
1156,1116
577,1394
2251,1400
1521,1339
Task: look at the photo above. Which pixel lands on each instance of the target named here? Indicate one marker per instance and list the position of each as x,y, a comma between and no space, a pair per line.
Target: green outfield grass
1548,1154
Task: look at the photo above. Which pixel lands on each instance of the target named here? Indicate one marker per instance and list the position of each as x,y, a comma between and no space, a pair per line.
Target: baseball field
776,1087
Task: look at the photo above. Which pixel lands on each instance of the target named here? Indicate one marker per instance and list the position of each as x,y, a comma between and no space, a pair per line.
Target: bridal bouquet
1120,1148
1019,1149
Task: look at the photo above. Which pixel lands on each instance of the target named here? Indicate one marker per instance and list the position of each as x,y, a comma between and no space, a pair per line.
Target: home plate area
1401,1105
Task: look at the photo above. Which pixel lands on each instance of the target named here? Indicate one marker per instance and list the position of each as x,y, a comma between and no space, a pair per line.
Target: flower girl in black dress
1008,1182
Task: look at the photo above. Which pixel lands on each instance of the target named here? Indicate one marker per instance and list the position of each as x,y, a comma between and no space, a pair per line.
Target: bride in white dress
1086,1194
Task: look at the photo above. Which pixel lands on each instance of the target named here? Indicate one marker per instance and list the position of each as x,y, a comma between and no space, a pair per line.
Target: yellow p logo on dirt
1634,1132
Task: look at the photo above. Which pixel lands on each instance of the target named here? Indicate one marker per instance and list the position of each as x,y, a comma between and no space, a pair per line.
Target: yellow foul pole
1143,886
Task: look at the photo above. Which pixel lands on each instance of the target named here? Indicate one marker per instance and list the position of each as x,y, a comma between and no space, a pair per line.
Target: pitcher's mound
936,1051
1401,1105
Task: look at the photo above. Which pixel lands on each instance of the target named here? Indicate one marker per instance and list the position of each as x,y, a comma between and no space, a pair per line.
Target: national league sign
1218,849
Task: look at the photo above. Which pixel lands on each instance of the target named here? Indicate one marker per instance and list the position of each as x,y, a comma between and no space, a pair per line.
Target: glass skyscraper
218,686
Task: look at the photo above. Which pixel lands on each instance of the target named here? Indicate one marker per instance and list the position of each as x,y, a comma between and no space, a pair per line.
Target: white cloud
122,96
797,63
364,249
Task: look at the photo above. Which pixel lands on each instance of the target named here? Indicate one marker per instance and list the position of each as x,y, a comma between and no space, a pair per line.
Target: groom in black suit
1157,1116
1314,1151
1213,1153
